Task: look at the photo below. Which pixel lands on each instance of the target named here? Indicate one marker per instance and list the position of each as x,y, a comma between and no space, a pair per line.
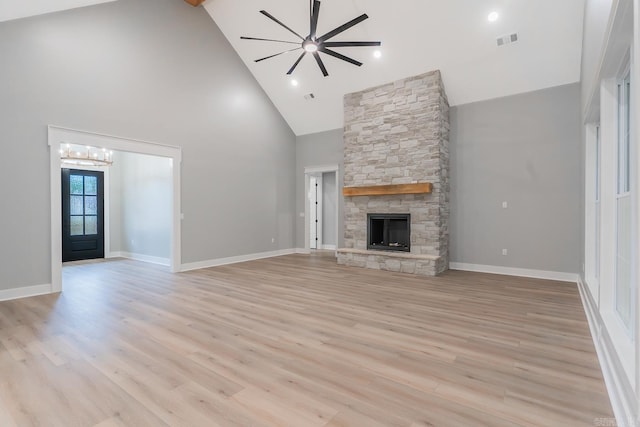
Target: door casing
59,135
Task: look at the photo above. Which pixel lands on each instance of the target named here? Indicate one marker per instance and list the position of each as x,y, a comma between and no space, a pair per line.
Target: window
624,288
83,205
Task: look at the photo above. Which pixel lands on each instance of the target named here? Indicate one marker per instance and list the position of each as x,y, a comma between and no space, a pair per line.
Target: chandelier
87,156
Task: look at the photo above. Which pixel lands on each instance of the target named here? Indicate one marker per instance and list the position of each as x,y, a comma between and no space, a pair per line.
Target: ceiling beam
195,2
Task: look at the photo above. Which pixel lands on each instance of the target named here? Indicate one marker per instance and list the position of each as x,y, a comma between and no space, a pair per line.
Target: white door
315,211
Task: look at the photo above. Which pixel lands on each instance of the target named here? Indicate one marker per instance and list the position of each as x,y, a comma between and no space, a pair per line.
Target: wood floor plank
297,341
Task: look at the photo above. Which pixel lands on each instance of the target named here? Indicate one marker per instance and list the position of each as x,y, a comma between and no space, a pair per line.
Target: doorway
57,137
321,207
315,197
82,214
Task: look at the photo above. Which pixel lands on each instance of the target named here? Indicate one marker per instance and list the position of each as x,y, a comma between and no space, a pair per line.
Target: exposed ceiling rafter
195,3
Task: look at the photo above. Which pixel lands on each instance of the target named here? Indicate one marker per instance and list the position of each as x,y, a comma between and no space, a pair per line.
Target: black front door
82,215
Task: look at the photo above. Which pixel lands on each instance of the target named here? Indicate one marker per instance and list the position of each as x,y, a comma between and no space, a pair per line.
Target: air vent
309,96
508,39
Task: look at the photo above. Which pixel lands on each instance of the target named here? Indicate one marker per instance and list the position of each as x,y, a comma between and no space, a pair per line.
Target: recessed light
493,16
377,54
294,82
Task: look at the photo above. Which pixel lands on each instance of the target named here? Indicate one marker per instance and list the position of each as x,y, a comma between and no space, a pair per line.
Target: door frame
59,135
313,170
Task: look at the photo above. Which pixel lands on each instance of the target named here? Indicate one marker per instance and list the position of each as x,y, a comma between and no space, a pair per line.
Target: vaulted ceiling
417,36
454,36
16,9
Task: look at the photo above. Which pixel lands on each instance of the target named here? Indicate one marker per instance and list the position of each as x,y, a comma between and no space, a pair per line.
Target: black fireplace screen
389,232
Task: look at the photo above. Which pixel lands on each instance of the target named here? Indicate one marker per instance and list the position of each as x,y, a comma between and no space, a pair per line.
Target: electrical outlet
504,252
273,240
505,205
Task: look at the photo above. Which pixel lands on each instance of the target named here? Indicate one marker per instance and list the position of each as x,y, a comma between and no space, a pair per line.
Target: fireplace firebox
389,232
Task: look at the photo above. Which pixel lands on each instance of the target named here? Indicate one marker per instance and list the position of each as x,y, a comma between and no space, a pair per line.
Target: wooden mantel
385,190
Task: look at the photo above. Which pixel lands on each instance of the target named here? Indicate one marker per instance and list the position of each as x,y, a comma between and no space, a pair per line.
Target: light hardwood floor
297,341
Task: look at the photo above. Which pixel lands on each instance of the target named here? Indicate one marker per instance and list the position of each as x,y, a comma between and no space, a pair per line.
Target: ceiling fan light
310,46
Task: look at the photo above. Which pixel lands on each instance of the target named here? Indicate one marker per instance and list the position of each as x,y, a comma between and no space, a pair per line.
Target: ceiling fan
313,44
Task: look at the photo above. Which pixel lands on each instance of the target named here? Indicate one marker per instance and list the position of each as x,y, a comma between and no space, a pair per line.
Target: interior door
315,211
82,215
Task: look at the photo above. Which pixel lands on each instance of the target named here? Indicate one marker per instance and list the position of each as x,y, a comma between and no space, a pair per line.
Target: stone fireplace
396,162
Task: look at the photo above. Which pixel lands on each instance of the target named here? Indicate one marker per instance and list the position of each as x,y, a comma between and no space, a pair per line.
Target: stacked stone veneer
398,133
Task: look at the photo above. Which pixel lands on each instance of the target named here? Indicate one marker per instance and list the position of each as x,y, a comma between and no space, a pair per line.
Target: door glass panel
77,226
90,205
90,225
90,185
76,205
76,186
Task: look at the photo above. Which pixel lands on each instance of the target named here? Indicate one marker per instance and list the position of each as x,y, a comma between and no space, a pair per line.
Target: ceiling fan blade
268,40
320,64
276,54
297,62
314,19
268,15
343,27
340,56
351,44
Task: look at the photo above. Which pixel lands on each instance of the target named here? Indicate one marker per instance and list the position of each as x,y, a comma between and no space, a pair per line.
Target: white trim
83,137
310,170
520,272
635,70
329,247
236,259
608,48
141,257
58,135
320,169
621,395
24,292
114,254
302,251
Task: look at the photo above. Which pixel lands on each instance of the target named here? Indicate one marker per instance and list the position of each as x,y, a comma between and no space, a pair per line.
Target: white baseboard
621,394
235,259
141,257
302,251
329,247
510,271
27,291
115,254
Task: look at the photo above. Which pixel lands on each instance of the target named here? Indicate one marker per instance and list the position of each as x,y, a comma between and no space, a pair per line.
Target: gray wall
155,70
525,150
140,213
318,149
329,191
